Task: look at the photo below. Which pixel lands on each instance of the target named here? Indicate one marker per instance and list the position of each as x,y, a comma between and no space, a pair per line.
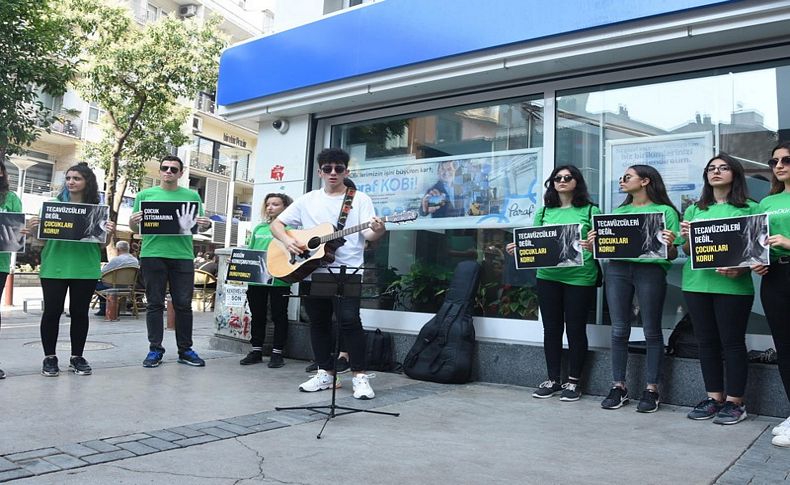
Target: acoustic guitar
292,268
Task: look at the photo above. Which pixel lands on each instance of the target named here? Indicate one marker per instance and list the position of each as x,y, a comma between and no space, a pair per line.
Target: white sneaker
782,440
362,389
781,428
322,380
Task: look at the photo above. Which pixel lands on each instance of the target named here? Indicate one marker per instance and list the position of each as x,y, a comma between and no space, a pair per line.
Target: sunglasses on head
775,161
337,168
563,178
170,169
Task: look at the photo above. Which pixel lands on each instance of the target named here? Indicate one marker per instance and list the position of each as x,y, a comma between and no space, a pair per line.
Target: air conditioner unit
197,124
186,11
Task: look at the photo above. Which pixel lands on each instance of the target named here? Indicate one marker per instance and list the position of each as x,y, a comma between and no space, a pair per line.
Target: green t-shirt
670,219
708,280
584,275
260,238
12,204
172,247
777,207
70,260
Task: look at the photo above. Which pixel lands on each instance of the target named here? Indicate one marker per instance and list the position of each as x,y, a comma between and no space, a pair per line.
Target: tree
36,54
137,74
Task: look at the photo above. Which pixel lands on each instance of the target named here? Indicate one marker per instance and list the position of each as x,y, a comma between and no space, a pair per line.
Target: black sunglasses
563,178
170,169
775,161
337,168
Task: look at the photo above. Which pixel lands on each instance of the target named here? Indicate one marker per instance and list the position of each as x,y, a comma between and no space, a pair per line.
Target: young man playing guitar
324,206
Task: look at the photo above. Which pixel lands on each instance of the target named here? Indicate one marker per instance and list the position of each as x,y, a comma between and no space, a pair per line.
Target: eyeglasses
775,161
337,168
170,169
718,168
563,178
627,177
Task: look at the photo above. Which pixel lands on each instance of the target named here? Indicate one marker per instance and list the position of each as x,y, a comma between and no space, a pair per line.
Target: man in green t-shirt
166,259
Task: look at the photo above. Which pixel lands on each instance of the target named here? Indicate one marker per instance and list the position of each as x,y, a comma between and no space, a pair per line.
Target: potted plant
421,289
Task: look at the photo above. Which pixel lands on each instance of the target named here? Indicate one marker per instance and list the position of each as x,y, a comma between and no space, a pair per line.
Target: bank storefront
668,85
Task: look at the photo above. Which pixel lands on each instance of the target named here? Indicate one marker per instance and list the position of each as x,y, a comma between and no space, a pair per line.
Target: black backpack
445,345
682,342
378,351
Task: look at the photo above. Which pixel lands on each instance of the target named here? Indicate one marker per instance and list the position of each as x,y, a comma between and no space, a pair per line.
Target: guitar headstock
401,217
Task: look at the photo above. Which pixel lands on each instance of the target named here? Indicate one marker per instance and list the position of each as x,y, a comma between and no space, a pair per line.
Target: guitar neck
345,232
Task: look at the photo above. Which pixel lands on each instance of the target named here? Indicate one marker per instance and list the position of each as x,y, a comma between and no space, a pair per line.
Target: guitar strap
345,208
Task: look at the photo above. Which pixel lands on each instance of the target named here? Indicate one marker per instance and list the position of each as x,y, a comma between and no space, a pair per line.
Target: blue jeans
648,281
180,273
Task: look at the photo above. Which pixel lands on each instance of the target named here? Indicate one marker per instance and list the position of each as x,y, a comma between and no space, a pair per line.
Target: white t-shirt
318,207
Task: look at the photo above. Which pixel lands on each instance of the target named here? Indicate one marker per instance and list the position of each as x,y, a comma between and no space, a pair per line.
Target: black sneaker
341,366
153,359
100,314
254,357
312,367
730,413
50,367
617,398
648,403
705,409
2,374
570,392
547,389
190,357
79,366
276,361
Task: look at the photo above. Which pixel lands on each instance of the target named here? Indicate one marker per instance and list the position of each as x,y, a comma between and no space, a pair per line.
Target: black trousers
3,277
80,293
564,308
775,295
180,275
259,298
720,328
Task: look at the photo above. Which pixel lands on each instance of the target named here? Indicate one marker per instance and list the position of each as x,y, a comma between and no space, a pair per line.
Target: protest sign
548,246
729,242
235,295
169,218
621,236
68,221
11,238
248,266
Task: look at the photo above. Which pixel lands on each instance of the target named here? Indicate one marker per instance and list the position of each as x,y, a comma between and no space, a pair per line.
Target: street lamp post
22,165
231,189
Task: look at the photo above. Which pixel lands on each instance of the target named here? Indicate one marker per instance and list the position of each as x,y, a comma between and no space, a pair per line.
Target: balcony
207,163
205,103
32,185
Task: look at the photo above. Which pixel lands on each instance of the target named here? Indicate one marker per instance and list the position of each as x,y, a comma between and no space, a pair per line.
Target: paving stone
166,435
206,424
6,465
138,448
38,466
65,461
219,433
127,438
198,440
268,426
28,455
100,446
14,474
111,456
234,428
75,449
248,420
188,432
159,444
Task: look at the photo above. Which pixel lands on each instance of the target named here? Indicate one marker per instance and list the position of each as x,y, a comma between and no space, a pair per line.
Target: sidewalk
217,425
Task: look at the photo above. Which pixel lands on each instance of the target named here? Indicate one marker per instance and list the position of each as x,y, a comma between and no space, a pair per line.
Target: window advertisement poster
68,221
169,218
629,236
11,238
478,190
679,159
548,246
729,242
248,266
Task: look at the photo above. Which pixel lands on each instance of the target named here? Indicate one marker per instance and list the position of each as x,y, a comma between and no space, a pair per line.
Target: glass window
675,124
470,174
95,113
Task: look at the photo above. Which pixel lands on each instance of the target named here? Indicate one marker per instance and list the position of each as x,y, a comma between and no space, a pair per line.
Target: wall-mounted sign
234,140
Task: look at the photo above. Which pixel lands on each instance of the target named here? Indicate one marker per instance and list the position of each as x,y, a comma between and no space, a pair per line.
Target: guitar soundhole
314,242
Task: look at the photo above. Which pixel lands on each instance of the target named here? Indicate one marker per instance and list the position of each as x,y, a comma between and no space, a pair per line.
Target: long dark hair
91,193
581,197
777,185
656,190
287,200
738,192
3,182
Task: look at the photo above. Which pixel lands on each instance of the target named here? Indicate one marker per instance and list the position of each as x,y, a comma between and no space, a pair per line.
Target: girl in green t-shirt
645,277
719,301
260,296
565,295
74,267
9,202
775,286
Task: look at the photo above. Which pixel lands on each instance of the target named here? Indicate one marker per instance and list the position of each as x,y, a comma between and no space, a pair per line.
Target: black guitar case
445,345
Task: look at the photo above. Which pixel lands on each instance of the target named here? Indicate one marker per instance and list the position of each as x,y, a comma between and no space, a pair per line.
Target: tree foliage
140,75
37,53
